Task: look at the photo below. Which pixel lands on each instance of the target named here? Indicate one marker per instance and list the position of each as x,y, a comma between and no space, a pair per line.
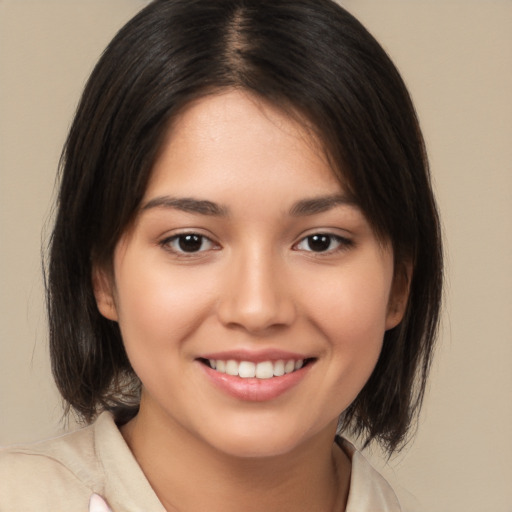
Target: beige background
456,57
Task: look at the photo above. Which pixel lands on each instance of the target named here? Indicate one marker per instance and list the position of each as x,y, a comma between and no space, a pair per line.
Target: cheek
354,301
351,315
158,308
158,311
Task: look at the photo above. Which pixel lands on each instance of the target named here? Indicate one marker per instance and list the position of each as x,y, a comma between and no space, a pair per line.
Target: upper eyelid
334,236
186,231
344,242
340,233
166,240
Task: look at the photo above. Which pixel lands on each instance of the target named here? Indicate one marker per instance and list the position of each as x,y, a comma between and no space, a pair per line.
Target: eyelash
342,243
197,238
167,244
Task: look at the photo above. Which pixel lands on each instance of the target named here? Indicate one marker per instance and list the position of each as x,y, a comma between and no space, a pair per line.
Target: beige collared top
61,474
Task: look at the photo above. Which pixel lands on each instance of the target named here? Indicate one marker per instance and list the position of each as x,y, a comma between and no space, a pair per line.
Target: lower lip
255,390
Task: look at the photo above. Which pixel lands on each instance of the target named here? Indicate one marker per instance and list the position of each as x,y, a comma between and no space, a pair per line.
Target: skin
255,284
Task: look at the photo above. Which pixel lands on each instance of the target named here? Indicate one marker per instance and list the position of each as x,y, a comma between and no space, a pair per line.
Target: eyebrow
304,207
320,204
187,204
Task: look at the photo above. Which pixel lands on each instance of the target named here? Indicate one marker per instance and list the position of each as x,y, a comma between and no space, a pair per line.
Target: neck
187,474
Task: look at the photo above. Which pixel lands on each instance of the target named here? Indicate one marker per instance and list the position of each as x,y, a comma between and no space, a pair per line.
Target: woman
246,260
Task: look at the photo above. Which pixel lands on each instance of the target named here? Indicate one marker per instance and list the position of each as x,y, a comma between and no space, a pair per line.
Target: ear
103,292
399,295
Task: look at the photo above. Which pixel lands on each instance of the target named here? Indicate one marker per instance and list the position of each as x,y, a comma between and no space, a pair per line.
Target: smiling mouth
260,370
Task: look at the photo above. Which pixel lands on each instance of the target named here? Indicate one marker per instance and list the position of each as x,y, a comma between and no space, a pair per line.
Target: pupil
190,243
319,243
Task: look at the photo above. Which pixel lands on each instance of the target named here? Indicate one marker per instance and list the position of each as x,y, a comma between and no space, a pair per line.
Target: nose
256,296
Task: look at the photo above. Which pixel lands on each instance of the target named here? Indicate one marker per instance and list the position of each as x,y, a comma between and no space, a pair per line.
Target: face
251,293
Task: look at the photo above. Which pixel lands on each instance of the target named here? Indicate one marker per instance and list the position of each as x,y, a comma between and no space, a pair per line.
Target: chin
259,439
255,447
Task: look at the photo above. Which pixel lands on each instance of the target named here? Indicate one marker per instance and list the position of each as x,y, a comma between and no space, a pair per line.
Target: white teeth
261,370
265,370
279,368
289,366
247,370
232,367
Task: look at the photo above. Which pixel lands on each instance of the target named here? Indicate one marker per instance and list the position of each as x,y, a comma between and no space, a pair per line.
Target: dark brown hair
304,56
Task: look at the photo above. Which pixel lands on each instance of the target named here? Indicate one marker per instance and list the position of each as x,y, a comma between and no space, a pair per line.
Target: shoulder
369,490
62,473
57,474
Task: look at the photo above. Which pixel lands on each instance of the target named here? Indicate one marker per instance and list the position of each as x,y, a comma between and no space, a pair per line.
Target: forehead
236,140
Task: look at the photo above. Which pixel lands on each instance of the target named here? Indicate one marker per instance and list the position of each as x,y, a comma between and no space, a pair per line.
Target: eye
323,242
188,243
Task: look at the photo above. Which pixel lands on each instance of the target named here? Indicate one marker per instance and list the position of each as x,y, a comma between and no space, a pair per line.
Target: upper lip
255,356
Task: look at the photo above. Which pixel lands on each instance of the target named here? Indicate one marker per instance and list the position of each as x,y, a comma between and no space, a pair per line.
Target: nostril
254,317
